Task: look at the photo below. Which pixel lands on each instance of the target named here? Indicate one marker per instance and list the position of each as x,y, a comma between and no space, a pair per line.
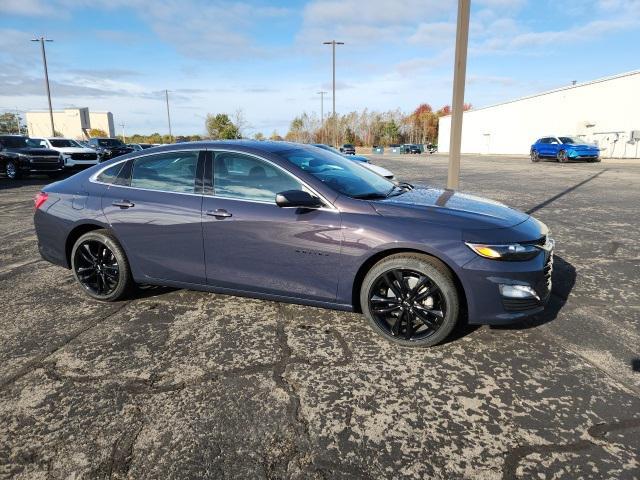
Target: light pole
166,96
321,93
124,138
333,44
457,105
42,39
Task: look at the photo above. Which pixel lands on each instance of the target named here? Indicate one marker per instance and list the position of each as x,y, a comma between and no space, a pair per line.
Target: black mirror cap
297,199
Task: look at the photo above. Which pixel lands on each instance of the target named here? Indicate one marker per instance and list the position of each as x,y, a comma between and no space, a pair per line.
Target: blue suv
564,149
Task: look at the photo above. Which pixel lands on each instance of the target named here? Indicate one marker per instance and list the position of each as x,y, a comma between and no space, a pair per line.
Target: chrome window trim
93,178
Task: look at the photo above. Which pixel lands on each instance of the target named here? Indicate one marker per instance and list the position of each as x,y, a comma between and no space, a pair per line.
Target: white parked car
74,154
364,161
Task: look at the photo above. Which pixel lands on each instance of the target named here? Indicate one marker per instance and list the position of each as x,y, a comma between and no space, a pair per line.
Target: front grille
45,160
84,156
520,304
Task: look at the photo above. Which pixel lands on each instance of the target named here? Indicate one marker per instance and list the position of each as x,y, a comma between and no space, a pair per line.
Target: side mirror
297,199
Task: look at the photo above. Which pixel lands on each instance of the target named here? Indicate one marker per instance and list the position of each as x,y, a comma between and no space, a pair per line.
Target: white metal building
604,111
70,123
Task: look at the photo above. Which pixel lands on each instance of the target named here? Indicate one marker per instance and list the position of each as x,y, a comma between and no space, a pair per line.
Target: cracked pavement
180,384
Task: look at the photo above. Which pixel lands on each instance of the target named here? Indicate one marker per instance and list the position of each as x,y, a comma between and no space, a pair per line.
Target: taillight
41,197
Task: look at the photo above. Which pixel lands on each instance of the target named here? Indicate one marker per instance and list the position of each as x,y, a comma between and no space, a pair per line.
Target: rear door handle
219,213
123,204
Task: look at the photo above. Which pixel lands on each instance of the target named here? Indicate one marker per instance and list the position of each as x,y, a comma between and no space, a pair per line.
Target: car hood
75,150
377,169
449,207
34,151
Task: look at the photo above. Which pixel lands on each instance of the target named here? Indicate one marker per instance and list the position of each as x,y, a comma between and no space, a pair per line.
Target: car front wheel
562,156
410,299
100,266
535,156
12,171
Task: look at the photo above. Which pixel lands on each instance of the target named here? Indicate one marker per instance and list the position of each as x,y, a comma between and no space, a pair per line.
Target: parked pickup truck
19,157
73,154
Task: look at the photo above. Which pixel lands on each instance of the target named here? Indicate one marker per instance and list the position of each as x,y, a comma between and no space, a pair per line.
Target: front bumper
486,303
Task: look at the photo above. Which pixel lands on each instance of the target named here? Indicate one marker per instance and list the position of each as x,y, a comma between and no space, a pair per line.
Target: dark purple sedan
294,223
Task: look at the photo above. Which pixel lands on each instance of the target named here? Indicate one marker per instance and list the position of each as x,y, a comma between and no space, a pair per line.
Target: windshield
63,142
570,140
35,143
14,142
110,142
339,174
327,148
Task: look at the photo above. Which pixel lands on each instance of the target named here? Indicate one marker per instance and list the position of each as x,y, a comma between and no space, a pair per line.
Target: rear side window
167,172
110,174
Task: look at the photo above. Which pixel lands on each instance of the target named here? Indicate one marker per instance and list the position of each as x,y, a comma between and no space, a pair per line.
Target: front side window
36,143
167,172
249,178
341,175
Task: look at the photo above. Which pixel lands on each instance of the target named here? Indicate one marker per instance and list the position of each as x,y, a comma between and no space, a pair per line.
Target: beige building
70,123
605,112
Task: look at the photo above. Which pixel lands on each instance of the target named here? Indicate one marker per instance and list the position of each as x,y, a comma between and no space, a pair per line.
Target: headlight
511,252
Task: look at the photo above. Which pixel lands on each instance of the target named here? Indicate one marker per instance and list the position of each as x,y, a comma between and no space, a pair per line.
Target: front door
155,212
251,244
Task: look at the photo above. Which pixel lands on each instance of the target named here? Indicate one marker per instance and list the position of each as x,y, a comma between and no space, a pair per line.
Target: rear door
252,244
155,211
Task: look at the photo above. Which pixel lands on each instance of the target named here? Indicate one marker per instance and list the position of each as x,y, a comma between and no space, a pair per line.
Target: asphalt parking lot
179,384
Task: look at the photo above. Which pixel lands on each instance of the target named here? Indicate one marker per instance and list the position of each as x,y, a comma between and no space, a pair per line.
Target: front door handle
219,213
123,204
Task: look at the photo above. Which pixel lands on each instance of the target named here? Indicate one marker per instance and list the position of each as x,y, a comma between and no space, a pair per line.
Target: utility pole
333,44
321,93
166,96
124,138
457,105
18,120
42,39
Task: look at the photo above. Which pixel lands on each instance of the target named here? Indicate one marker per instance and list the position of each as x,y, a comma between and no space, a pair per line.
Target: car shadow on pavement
38,180
564,279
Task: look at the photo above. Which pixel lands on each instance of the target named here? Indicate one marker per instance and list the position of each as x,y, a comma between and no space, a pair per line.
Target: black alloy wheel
535,156
100,266
411,299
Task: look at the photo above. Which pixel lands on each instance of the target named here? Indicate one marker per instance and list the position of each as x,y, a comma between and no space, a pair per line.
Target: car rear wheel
410,299
100,266
562,156
12,171
535,156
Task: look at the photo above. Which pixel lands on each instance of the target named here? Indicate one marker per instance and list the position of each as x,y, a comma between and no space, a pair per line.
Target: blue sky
267,58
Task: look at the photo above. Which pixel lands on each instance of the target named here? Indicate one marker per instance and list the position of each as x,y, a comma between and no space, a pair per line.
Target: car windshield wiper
370,196
398,190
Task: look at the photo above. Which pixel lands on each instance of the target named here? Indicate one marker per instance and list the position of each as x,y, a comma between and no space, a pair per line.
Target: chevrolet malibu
294,223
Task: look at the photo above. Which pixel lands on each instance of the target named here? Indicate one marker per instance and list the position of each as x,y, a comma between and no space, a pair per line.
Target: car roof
263,145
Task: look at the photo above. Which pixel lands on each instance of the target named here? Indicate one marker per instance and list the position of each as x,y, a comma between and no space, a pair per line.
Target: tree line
368,128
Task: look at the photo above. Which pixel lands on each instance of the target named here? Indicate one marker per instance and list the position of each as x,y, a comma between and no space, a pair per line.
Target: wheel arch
75,234
372,260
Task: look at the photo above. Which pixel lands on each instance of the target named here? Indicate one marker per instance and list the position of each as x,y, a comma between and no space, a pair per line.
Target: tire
597,160
535,156
12,171
431,304
89,263
562,156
